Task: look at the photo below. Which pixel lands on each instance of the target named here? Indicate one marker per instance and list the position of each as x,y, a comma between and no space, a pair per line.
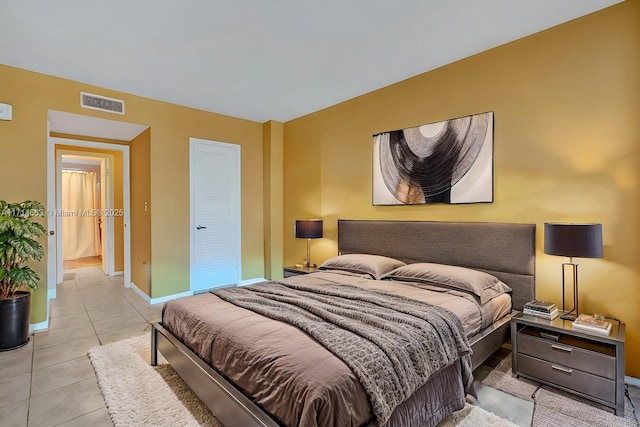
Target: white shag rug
138,394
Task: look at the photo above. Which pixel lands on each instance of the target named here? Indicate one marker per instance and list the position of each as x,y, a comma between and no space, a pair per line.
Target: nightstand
587,365
296,271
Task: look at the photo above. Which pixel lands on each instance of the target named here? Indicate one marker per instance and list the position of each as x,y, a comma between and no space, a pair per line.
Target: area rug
554,407
138,394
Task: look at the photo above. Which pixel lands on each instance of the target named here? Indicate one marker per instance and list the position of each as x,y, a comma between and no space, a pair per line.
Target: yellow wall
118,197
273,204
141,211
566,148
23,154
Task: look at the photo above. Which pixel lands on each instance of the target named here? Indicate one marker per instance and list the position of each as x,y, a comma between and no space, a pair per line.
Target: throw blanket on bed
393,344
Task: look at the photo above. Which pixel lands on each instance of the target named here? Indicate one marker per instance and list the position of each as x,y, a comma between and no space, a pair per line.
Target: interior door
215,214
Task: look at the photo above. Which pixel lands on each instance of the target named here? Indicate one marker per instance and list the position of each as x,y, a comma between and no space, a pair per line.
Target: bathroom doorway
84,185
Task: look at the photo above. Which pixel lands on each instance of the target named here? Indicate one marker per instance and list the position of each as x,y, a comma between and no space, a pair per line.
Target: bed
246,395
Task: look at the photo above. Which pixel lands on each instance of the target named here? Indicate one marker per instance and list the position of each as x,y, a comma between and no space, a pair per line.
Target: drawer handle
561,348
562,369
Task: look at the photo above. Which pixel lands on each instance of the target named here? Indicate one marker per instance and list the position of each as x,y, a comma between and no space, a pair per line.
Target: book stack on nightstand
543,309
592,324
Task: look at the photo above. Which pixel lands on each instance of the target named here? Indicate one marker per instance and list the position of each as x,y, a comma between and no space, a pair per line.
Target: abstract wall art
445,162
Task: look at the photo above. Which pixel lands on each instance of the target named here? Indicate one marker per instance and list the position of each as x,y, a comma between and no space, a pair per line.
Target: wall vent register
101,103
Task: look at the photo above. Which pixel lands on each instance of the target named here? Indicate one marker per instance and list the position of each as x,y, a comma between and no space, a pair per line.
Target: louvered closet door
215,214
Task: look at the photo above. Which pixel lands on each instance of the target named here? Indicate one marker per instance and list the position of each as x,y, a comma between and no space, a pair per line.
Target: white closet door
215,214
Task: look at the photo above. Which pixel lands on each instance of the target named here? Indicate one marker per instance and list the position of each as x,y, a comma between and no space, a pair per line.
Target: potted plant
18,245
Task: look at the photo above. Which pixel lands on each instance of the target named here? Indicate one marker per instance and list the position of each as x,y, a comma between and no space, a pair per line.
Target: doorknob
200,227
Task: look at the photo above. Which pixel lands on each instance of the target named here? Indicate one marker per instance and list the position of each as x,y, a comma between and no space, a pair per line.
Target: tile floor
50,381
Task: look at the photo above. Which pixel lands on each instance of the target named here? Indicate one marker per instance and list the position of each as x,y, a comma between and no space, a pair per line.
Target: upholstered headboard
505,250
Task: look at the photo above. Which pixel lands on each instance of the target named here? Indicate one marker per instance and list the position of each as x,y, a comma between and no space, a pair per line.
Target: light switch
5,112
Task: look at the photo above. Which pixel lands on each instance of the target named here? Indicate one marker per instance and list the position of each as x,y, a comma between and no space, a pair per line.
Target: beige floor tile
59,336
89,284
98,418
105,301
151,311
120,322
61,375
104,291
121,334
63,322
16,362
66,311
67,288
64,298
15,415
14,389
49,356
117,279
111,311
136,301
65,404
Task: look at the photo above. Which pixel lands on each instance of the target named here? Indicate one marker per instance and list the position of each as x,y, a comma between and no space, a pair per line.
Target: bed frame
505,250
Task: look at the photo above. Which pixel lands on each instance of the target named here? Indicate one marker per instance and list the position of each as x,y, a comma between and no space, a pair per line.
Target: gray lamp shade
573,240
308,228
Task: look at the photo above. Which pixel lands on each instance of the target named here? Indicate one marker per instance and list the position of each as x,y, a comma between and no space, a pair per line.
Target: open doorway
90,136
85,196
90,205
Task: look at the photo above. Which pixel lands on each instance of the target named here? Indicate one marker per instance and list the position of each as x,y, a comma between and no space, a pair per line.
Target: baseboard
170,297
252,281
137,290
632,381
118,273
39,327
158,300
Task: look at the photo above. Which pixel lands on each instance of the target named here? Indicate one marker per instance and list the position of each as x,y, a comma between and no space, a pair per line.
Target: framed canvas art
445,162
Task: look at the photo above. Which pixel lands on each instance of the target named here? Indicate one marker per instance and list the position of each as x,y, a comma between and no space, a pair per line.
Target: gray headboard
505,250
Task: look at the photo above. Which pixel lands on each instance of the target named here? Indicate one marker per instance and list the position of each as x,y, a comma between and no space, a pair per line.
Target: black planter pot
14,321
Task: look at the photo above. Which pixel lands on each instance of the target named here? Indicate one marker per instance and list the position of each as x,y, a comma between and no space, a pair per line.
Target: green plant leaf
24,276
18,244
27,248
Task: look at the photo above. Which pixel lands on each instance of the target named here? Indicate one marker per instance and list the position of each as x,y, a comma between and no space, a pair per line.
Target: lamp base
570,315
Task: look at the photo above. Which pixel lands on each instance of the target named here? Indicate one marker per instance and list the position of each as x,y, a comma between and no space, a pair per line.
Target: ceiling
262,60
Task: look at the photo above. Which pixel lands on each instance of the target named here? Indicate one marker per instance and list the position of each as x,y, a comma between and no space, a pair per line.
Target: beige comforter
287,372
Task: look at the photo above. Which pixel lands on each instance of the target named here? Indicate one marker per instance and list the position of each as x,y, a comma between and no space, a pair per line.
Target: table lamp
572,240
308,229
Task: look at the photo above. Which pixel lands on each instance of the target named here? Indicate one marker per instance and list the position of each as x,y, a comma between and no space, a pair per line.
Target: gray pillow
373,265
484,285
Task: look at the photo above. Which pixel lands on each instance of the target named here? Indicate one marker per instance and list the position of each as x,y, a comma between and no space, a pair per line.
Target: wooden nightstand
296,271
553,353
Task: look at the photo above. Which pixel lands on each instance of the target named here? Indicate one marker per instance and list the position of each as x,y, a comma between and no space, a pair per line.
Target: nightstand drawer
555,373
569,352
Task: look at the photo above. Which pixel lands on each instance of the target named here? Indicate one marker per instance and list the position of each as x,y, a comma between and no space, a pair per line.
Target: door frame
53,252
107,191
192,220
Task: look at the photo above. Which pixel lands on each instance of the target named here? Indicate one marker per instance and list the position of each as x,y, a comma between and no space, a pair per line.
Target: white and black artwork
444,162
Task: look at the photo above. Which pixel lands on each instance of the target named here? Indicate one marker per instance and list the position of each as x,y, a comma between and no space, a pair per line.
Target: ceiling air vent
102,103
